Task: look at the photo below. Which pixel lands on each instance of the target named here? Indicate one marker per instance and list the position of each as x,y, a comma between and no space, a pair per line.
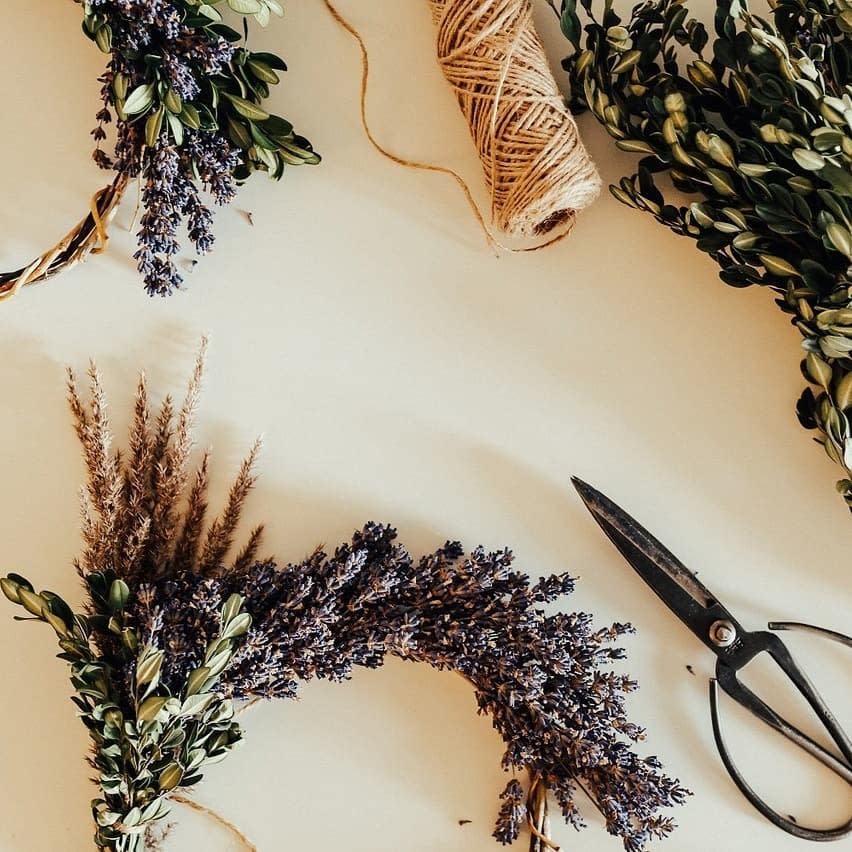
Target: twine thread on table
89,236
536,167
402,161
227,824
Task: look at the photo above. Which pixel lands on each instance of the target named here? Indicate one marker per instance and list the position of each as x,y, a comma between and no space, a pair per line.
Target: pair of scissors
734,647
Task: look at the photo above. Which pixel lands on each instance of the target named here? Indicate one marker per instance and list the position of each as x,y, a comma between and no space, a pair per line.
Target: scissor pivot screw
722,633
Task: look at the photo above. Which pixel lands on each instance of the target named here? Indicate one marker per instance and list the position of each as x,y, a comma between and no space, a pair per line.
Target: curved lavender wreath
187,99
172,636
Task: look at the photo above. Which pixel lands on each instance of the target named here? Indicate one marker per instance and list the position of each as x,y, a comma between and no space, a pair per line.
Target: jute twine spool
535,165
89,236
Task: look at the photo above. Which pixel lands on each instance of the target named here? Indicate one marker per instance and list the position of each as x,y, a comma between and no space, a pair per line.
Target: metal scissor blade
673,582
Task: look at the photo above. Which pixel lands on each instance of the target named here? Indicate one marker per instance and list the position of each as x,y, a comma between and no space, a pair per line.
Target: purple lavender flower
513,813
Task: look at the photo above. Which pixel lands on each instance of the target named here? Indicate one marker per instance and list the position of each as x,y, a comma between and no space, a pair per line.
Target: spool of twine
537,170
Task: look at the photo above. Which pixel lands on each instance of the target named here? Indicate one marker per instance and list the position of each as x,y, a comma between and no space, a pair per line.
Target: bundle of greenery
760,131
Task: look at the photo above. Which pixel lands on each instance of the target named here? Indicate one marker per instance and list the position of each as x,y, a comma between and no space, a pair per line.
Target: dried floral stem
537,816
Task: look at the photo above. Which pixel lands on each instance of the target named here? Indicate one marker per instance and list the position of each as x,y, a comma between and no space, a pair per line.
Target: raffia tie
535,165
89,236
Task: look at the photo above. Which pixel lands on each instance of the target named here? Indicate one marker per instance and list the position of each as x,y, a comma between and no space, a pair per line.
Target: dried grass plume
144,514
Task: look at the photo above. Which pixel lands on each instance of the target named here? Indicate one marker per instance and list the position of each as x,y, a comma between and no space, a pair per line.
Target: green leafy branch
762,133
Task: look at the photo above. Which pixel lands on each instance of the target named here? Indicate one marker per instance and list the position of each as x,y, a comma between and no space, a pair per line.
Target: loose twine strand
536,168
227,824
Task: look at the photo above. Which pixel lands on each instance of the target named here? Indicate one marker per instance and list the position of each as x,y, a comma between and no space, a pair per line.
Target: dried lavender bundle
540,678
173,635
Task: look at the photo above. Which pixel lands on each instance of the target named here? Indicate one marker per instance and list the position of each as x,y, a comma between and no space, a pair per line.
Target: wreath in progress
173,634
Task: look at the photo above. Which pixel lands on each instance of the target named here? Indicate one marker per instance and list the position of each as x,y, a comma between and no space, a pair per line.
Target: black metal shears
734,647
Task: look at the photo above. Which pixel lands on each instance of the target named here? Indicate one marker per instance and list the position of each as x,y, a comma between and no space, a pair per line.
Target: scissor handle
726,677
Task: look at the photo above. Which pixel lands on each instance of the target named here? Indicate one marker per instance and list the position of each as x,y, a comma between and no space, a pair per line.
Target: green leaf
238,626
570,25
278,127
56,623
190,117
196,680
209,12
262,16
635,146
843,392
261,139
155,810
196,704
103,38
246,109
21,581
170,777
32,602
835,346
10,589
219,662
840,179
777,265
238,133
720,151
173,102
133,817
176,127
150,708
627,61
262,71
119,592
809,160
818,370
232,608
840,238
140,99
245,7
153,126
148,666
722,182
271,60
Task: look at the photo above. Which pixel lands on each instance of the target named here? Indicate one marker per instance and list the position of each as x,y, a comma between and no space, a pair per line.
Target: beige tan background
401,372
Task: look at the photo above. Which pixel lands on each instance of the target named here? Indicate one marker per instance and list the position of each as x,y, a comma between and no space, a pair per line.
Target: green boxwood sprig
761,132
146,740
